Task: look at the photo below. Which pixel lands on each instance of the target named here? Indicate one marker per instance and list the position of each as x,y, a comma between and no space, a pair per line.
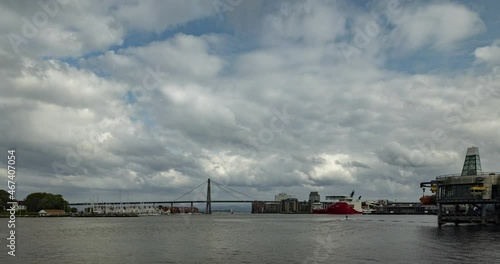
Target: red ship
344,205
428,200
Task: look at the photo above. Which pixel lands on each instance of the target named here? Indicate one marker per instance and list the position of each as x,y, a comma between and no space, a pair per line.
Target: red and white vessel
345,205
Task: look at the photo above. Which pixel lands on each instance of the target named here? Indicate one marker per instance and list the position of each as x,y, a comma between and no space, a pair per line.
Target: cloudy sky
150,98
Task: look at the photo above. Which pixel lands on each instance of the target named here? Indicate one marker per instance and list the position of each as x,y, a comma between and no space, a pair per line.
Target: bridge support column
191,210
208,209
172,208
440,215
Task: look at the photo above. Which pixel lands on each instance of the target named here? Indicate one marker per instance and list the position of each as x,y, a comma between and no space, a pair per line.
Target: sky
144,100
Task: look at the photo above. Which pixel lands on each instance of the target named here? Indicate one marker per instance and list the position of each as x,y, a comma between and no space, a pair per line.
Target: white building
21,208
316,206
283,196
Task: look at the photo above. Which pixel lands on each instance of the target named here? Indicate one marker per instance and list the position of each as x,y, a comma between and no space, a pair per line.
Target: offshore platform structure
470,197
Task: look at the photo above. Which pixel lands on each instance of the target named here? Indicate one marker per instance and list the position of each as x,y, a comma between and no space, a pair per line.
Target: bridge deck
172,202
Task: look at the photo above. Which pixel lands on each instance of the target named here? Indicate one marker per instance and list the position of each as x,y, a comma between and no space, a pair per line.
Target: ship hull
339,208
428,200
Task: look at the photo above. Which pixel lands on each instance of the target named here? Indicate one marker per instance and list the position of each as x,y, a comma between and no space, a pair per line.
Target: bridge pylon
208,209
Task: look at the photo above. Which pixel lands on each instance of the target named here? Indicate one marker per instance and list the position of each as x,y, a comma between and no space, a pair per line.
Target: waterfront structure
471,196
21,207
258,207
369,207
141,209
317,206
51,212
262,207
283,196
289,205
272,208
314,201
405,208
304,207
314,197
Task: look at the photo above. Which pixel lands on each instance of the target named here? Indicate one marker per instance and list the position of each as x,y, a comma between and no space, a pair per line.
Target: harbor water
246,238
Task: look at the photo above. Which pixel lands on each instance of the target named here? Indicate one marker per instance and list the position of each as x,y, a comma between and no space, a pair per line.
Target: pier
472,196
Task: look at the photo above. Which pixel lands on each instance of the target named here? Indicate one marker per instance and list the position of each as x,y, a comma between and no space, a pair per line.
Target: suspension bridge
242,198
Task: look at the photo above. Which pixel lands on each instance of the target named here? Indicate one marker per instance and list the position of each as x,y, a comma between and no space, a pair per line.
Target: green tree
32,201
4,198
38,201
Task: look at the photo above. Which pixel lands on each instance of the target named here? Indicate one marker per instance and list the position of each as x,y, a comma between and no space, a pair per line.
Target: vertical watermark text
11,184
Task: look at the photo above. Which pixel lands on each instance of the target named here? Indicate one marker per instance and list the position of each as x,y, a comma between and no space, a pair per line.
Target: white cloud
308,22
64,30
179,57
78,28
440,26
424,154
488,54
158,16
327,168
170,178
52,82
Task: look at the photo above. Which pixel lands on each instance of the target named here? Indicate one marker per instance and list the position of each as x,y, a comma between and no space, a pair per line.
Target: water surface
250,238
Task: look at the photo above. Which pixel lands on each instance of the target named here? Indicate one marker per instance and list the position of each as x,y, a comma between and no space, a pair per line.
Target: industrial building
286,204
473,196
315,201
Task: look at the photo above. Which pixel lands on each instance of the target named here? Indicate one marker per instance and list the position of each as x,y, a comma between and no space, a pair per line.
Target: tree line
36,201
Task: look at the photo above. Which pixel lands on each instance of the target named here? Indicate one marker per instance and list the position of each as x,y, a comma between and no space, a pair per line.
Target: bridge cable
222,188
190,191
234,190
240,193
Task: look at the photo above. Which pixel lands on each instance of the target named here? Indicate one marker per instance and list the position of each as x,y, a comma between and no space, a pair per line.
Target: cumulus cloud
488,54
326,168
395,154
440,26
158,16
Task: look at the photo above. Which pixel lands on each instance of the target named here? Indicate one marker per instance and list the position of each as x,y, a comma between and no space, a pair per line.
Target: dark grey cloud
353,164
